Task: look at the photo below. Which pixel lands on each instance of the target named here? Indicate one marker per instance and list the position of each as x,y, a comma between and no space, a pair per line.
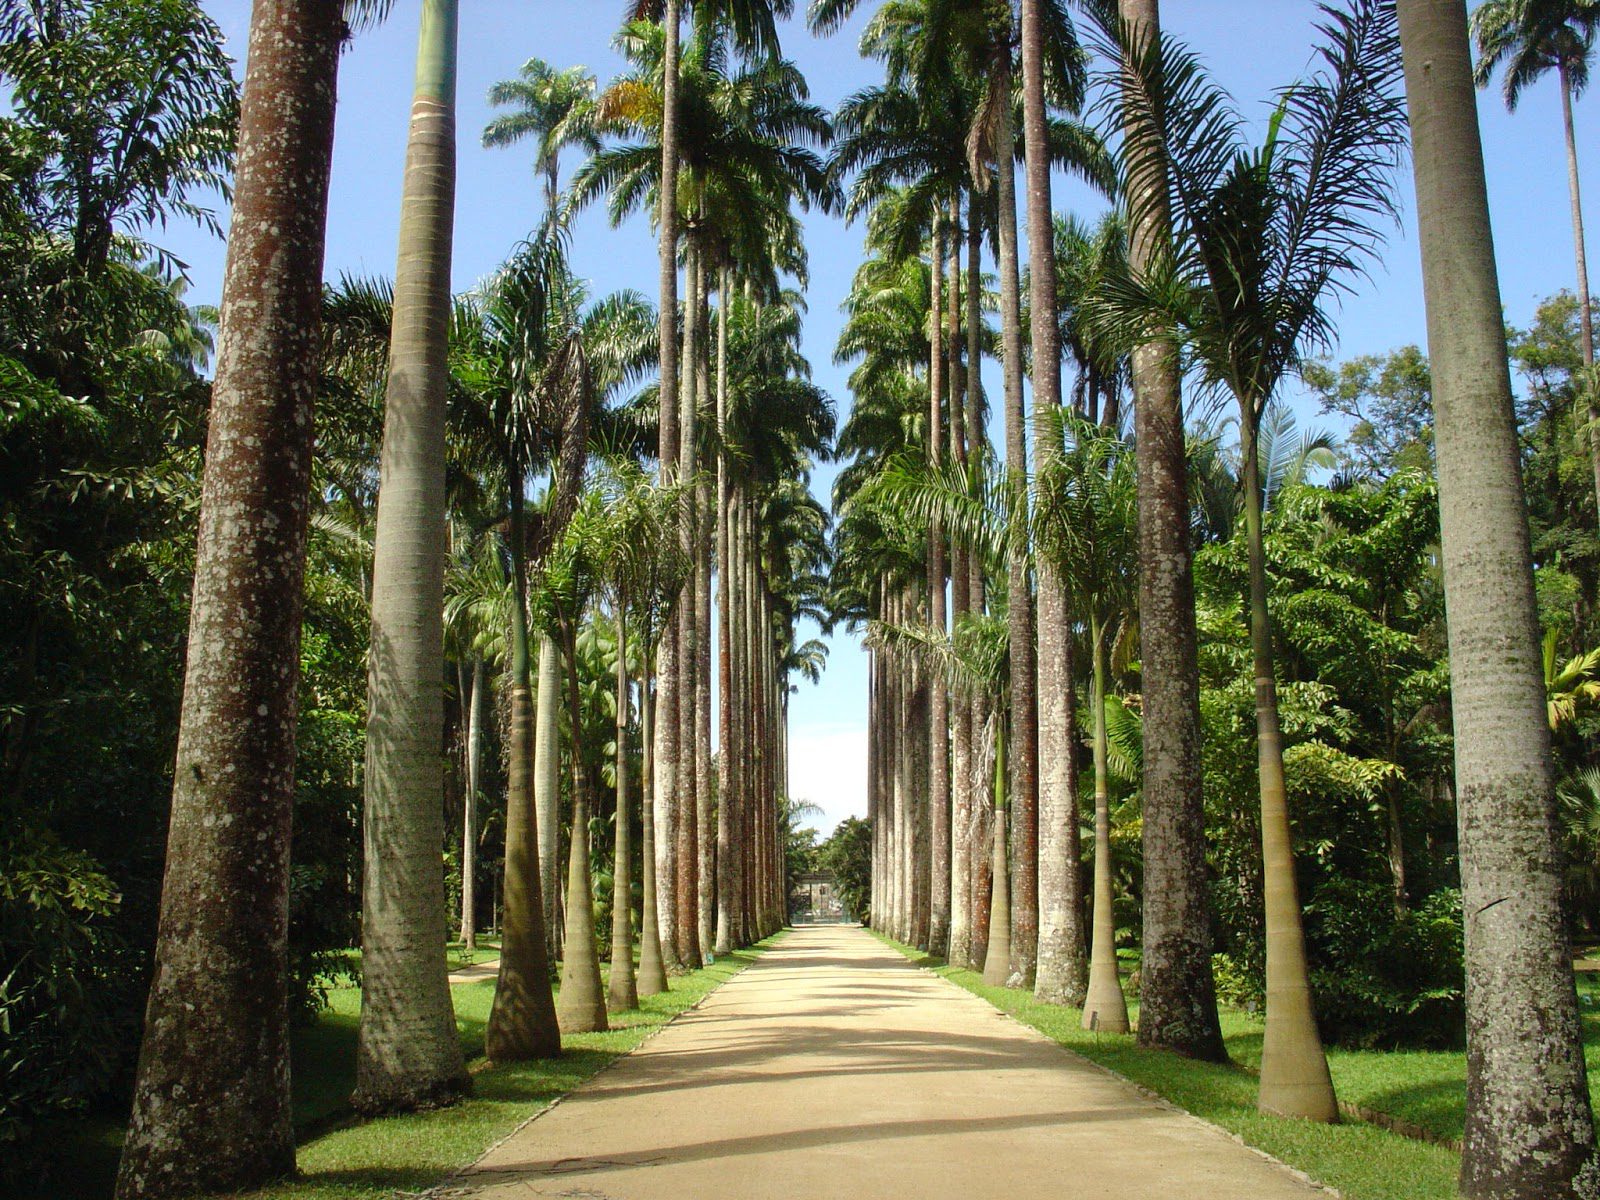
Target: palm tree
1086,513
517,405
1177,1000
568,577
1529,38
1264,237
1529,1127
554,107
408,1054
211,1104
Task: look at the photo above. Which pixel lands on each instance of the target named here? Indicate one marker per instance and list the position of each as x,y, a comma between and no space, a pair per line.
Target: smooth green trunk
408,1054
1104,1007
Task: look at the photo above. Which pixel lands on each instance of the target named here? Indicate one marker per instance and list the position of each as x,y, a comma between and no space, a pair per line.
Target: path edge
454,1178
1148,1093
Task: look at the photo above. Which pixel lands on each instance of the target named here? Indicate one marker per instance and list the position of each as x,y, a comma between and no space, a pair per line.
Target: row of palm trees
485,396
1220,264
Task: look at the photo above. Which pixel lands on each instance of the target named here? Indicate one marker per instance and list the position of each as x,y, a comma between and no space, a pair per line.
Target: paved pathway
834,1068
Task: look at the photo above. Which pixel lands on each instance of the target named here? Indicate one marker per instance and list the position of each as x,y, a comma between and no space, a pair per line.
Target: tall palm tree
219,1118
1529,1127
1529,38
554,107
1087,521
408,1053
1264,238
518,407
1177,999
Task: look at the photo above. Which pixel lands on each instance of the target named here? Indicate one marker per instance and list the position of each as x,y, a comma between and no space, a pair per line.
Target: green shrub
64,984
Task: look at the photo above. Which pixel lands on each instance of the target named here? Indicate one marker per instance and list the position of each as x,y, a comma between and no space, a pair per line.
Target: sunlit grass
1362,1161
340,1157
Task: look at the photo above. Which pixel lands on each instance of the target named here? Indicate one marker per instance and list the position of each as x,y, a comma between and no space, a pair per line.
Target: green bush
1384,979
64,986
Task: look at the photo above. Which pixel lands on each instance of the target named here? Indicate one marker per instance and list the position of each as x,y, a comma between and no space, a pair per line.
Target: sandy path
834,1068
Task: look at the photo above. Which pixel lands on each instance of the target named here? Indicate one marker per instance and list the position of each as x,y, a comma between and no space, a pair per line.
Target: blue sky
1253,46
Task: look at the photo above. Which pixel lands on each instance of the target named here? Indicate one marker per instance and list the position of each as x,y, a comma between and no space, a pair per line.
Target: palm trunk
1529,1128
687,916
727,755
469,831
997,955
1585,307
547,787
652,972
1294,1070
938,701
1177,996
1024,723
1104,1007
1061,969
211,1104
667,746
580,1006
622,991
408,1054
705,815
958,948
522,1020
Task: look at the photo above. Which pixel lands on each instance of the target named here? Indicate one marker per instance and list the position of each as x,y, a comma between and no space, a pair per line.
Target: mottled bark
1177,996
1023,752
408,1054
998,957
728,794
1060,974
211,1104
666,746
686,802
1529,1129
958,946
938,700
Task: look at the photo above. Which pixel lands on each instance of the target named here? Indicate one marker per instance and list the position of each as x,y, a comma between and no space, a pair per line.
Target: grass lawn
371,1160
1362,1161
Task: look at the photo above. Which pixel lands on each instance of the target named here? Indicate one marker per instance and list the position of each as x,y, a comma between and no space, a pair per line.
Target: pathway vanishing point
834,1068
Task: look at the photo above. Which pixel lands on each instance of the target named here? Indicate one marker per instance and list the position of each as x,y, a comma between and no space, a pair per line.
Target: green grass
1362,1161
341,1159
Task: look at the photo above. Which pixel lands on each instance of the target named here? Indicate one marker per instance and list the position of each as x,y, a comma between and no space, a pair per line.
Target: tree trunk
1177,996
997,955
727,755
211,1103
667,747
408,1054
687,917
580,1006
469,822
522,1020
1529,1129
547,787
1060,977
1294,1070
1585,306
958,948
1104,1007
652,978
938,700
622,991
1023,812
705,813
